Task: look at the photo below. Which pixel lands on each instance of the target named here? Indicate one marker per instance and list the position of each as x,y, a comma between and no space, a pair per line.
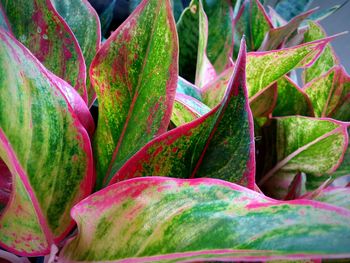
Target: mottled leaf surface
44,32
220,33
329,93
46,149
218,143
264,68
326,60
313,146
164,219
85,24
135,76
188,32
338,196
291,100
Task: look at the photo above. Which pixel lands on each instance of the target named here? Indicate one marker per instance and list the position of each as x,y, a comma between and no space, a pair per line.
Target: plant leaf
291,99
178,8
194,148
187,88
45,148
205,71
313,146
135,77
338,196
214,91
263,103
290,9
186,109
329,92
326,60
204,219
277,36
187,29
3,20
220,33
322,14
264,68
253,22
85,24
44,32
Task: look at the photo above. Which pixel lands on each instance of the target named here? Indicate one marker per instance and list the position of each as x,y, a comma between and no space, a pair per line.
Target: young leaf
253,22
313,146
186,109
326,60
277,36
220,33
165,219
205,71
329,93
218,144
44,32
85,24
135,76
291,100
188,31
46,150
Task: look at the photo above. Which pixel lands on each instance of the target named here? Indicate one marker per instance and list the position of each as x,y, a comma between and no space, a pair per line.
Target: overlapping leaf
135,77
85,24
338,196
44,149
313,146
218,144
44,32
163,219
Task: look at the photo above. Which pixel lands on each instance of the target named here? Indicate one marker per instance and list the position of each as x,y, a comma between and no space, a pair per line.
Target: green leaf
85,24
291,100
45,149
253,22
218,144
44,32
166,219
220,33
329,94
263,103
338,196
309,145
186,109
290,9
188,31
187,88
135,75
3,21
326,60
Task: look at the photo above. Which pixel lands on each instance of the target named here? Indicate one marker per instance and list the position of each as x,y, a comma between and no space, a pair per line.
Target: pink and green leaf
329,93
187,88
165,219
135,76
291,100
85,24
220,33
194,149
313,146
263,103
187,109
44,32
326,60
338,196
46,150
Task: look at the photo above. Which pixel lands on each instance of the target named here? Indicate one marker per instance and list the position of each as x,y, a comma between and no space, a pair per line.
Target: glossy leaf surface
164,219
217,144
187,88
135,76
45,148
329,93
313,146
44,32
85,24
326,60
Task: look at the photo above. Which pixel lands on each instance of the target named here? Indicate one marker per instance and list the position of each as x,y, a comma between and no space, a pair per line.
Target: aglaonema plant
206,146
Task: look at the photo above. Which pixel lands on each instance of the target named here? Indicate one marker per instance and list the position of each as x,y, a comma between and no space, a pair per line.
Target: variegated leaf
338,196
43,31
159,219
85,24
135,76
187,88
218,144
313,146
45,150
